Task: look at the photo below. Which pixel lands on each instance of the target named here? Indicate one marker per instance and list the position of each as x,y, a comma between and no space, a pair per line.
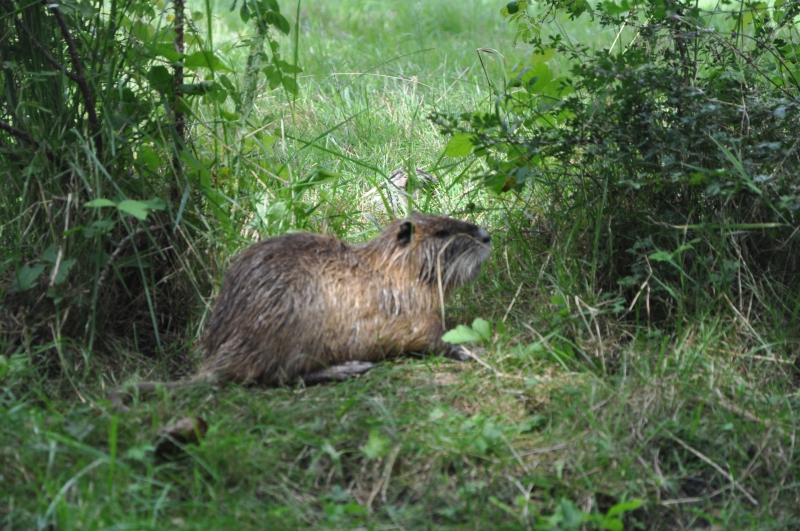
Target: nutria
313,308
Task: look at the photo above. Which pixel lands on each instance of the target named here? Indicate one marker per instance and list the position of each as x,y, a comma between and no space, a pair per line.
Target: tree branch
80,74
25,137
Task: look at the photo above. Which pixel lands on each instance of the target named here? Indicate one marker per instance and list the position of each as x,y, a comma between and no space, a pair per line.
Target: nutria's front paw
458,353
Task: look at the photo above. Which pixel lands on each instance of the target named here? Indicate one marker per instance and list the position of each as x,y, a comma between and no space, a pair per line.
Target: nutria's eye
442,234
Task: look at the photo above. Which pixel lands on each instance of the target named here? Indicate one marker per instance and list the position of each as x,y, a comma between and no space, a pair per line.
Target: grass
569,413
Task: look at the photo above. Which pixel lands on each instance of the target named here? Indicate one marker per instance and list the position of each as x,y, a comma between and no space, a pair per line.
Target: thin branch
180,119
80,74
25,137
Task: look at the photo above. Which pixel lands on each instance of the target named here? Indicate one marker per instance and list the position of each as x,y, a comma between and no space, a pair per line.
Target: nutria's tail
117,395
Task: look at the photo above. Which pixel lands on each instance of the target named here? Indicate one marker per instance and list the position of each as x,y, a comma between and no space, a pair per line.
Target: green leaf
274,76
542,56
195,89
461,334
100,202
149,157
286,68
167,51
160,79
143,32
204,59
230,116
482,328
50,254
26,278
661,256
63,270
612,8
376,446
155,204
612,524
624,507
512,8
460,145
279,21
538,78
98,227
135,208
290,85
226,82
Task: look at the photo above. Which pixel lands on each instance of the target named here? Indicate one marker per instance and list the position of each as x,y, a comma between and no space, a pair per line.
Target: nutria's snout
484,237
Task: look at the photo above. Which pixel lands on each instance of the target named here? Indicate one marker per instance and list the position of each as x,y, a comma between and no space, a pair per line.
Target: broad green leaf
155,204
512,8
143,32
100,202
542,56
460,145
612,8
230,116
195,89
226,82
135,208
290,85
482,327
98,227
274,76
661,256
167,51
461,334
149,157
538,78
26,278
63,270
287,68
50,254
160,79
204,59
279,21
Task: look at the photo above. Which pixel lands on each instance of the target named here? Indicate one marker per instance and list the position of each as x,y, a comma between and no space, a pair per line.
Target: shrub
671,154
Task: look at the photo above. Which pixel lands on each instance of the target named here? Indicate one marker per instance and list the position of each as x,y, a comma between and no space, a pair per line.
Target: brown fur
296,305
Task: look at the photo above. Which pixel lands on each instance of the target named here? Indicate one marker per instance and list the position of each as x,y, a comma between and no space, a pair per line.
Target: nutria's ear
405,232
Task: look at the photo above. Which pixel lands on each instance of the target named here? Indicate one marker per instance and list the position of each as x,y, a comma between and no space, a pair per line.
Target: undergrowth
637,321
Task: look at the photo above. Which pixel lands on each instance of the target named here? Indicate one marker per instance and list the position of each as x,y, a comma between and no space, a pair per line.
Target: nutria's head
437,248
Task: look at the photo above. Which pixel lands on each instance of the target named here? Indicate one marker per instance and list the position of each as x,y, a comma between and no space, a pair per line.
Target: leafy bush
671,154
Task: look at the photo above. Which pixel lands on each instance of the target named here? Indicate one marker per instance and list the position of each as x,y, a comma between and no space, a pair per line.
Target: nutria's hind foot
337,373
